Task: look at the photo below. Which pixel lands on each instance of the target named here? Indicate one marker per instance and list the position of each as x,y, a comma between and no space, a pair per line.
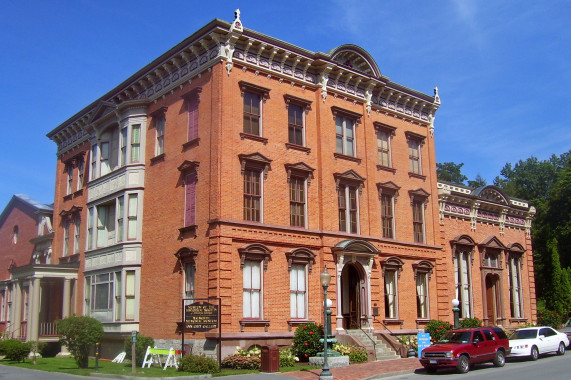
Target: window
297,201
100,295
190,181
77,231
25,296
345,135
160,131
295,124
120,220
193,117
94,162
189,273
90,223
252,293
109,150
478,337
135,142
462,270
124,146
252,113
298,292
104,158
80,167
3,305
106,224
132,218
415,142
391,298
387,215
516,293
130,288
422,272
418,221
15,234
69,170
348,209
491,259
384,136
66,224
252,195
118,291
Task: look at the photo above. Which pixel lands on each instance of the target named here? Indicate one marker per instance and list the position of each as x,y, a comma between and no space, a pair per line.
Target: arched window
462,256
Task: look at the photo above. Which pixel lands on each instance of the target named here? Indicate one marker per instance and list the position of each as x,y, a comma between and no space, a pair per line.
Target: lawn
68,365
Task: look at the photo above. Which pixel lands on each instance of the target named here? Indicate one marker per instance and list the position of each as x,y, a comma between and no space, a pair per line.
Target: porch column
66,307
34,319
17,310
339,312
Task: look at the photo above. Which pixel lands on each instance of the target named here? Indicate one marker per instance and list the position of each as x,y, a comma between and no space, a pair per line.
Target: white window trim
343,130
348,210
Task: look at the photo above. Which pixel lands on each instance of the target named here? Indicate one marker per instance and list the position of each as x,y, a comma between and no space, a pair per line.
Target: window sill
249,136
393,322
415,175
518,320
422,321
69,259
386,168
254,322
295,322
68,197
298,147
348,158
159,158
188,230
78,193
190,144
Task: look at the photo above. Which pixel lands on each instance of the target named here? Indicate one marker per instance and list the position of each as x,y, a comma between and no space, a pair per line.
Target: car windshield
524,334
456,337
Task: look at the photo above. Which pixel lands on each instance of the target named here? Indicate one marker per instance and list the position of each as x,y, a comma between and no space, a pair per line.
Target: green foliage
140,348
80,334
479,181
549,318
241,362
306,340
287,358
450,172
14,349
198,364
436,329
558,294
410,341
470,322
356,354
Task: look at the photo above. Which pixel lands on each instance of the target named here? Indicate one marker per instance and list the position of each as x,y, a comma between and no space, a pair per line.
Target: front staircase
372,344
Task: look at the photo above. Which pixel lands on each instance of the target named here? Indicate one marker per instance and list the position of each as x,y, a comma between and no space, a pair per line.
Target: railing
48,329
371,339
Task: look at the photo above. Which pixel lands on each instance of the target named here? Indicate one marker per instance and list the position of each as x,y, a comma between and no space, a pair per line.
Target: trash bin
270,359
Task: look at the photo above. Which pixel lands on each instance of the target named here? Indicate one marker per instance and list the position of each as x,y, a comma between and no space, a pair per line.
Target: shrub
549,318
436,329
198,364
470,322
79,334
410,341
140,348
306,340
14,349
356,354
287,358
241,362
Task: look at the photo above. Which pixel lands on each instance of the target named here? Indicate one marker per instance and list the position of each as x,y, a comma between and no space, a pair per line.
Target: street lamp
325,279
456,311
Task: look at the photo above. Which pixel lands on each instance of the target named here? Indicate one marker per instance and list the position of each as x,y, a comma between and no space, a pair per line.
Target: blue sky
502,67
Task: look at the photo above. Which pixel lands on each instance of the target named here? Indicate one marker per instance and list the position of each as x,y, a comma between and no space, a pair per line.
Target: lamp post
456,311
325,279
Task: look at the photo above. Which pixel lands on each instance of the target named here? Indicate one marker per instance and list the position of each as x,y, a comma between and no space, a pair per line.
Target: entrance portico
354,263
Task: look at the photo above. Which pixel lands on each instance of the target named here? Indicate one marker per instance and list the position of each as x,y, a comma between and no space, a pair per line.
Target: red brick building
239,166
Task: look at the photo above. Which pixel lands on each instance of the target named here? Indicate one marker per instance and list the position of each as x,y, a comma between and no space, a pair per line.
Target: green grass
68,365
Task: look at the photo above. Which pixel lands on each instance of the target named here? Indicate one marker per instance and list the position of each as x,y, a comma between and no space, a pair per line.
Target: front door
491,299
351,297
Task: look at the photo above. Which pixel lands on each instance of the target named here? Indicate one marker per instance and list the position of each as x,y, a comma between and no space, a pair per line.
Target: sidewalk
370,370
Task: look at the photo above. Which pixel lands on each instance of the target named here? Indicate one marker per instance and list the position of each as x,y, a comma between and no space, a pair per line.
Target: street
547,367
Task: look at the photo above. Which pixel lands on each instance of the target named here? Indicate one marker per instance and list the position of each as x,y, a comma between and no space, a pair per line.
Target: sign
134,336
201,316
423,341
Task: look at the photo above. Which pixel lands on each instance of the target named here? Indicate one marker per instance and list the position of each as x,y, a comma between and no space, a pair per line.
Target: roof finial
436,96
237,24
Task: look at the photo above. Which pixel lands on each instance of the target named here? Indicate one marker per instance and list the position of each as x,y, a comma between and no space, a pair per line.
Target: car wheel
431,369
500,359
534,353
463,364
561,350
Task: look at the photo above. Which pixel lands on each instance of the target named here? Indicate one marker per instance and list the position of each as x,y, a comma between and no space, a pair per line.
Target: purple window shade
193,118
190,203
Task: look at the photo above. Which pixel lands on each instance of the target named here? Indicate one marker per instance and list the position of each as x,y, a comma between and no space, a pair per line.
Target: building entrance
353,297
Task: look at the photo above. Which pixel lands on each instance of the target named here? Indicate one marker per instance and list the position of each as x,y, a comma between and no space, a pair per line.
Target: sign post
133,354
202,316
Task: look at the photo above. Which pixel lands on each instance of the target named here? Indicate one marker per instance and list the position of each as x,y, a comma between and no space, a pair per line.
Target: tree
450,172
558,292
479,181
80,334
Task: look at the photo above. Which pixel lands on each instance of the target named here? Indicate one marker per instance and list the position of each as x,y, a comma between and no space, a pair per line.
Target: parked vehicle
567,330
463,348
534,341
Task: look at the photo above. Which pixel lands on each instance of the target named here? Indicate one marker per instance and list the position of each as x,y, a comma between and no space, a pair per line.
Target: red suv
462,348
